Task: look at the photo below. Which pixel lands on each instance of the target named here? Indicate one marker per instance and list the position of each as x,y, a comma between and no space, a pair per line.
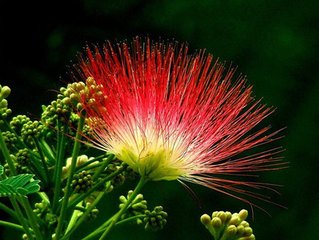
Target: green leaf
1,170
22,184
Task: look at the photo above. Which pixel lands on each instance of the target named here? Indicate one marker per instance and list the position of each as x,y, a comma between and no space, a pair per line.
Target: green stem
11,225
44,163
99,230
75,216
8,210
24,201
84,216
75,153
112,221
15,205
48,152
127,204
57,175
90,162
36,168
31,216
130,219
89,166
20,217
7,156
44,197
106,162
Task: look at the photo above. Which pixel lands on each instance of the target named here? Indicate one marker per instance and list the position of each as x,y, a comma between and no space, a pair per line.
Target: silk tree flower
174,116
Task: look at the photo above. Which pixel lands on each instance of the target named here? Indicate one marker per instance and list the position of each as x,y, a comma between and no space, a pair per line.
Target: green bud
122,199
66,101
25,237
243,214
244,223
251,237
90,81
240,230
79,107
231,231
139,206
5,92
109,187
216,222
8,112
235,220
228,216
222,216
3,103
139,197
74,96
205,219
248,231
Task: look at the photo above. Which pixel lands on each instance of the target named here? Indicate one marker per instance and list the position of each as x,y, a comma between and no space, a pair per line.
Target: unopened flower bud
205,219
231,231
243,214
5,92
248,231
240,230
217,222
235,220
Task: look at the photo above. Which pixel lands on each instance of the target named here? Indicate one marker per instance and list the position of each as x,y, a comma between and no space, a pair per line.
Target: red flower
170,115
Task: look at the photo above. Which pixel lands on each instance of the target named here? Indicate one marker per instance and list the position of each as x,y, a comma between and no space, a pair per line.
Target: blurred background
275,43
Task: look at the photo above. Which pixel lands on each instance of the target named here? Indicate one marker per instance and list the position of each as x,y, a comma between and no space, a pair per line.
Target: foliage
22,184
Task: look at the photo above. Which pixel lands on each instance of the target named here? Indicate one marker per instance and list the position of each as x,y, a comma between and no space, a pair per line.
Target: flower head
174,116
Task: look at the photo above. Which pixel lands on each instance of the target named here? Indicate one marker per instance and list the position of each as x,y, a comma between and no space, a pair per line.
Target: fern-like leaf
22,184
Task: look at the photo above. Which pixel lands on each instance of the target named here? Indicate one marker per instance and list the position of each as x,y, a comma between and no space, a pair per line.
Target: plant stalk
75,153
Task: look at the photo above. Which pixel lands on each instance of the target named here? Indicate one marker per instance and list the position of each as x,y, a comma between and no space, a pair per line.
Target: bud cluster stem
67,194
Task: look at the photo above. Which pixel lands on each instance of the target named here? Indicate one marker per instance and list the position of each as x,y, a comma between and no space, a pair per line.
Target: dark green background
275,43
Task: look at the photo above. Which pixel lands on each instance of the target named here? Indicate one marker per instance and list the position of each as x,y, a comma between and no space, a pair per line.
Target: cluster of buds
155,220
86,131
118,179
87,204
81,182
93,214
90,92
68,104
61,109
42,210
10,139
22,159
56,111
17,123
137,207
31,130
227,226
74,93
4,93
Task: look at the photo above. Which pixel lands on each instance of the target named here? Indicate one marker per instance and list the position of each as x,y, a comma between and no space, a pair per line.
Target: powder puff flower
174,116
